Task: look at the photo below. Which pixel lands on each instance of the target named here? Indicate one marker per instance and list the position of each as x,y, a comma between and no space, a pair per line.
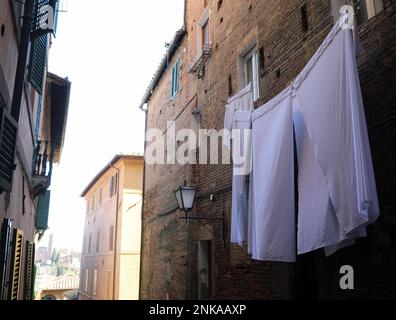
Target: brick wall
170,246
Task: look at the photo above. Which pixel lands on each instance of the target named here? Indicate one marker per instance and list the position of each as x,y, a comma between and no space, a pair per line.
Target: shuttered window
16,267
38,62
42,212
8,136
175,78
45,17
113,185
29,271
111,238
5,257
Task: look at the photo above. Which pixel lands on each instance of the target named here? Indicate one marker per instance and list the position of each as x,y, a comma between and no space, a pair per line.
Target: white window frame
201,23
86,280
373,7
95,282
250,53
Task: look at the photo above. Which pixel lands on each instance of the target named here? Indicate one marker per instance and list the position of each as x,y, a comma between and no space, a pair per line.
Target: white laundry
242,101
237,125
337,190
318,225
242,168
272,229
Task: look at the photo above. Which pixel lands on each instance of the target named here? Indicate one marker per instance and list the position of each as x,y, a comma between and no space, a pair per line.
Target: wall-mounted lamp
185,197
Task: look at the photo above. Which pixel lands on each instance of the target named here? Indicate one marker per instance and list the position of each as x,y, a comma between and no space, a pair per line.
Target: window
89,243
38,62
111,238
109,286
8,137
97,241
100,197
86,280
113,186
250,71
366,9
205,34
205,269
94,282
16,265
175,78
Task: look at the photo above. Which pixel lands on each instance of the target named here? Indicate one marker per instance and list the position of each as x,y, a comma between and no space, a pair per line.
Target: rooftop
108,166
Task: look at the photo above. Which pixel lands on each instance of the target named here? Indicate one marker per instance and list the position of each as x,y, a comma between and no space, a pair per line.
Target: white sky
110,53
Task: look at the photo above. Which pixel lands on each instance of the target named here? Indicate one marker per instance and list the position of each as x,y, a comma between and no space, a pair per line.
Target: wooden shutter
8,137
177,75
116,184
5,257
29,271
16,264
41,21
110,187
42,212
38,61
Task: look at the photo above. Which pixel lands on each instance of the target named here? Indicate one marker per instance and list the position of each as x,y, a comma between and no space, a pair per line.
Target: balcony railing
199,64
42,167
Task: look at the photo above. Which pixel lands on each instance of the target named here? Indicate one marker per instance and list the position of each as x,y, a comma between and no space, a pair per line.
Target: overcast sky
110,53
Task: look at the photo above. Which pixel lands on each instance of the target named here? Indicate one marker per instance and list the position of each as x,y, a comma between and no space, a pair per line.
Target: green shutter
177,75
43,211
8,136
6,237
40,19
29,270
175,79
38,61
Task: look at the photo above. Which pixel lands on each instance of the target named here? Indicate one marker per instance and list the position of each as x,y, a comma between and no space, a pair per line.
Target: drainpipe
116,228
142,210
22,60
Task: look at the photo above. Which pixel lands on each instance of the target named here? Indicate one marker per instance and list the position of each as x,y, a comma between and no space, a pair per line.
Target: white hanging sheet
337,190
242,101
242,168
272,229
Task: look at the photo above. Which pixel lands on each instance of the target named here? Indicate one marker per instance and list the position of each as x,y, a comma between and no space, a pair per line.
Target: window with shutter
45,17
38,61
8,136
29,271
16,267
42,212
175,79
5,257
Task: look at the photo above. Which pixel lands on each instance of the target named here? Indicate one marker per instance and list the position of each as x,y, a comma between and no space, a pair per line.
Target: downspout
22,60
116,228
143,201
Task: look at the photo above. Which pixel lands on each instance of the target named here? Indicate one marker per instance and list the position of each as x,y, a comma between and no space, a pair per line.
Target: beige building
110,263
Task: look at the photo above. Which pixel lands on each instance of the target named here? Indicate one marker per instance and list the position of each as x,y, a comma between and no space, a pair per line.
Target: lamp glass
178,196
188,195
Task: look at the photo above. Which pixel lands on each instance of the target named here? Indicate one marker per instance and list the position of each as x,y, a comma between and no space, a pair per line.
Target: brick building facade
190,260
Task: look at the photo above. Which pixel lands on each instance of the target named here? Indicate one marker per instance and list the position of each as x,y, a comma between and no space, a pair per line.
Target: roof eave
175,44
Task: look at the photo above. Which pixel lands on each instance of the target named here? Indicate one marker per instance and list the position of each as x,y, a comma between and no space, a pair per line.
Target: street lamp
185,197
